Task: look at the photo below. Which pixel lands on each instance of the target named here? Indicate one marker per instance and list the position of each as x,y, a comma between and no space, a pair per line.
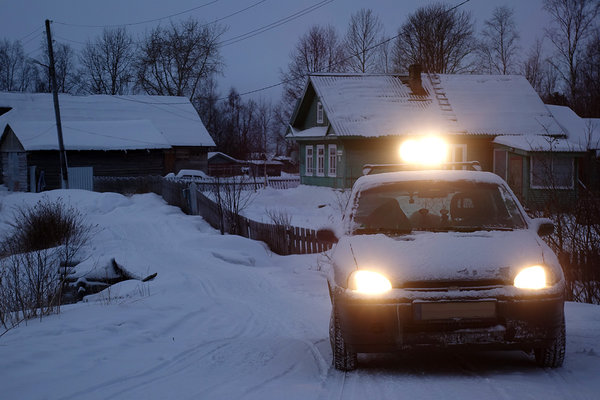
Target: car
191,175
442,258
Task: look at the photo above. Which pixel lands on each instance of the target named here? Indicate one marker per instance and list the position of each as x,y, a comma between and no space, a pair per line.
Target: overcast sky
252,63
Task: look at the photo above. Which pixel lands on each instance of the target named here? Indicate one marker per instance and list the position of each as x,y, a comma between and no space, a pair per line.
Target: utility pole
63,156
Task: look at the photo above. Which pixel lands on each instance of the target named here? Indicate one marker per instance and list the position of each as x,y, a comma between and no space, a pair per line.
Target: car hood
443,256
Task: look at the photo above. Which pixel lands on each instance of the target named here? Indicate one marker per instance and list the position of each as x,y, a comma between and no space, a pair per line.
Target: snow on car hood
426,256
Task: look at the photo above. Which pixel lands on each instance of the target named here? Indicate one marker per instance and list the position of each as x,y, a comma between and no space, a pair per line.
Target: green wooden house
344,121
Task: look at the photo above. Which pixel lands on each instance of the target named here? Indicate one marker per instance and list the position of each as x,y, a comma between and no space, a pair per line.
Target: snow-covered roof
378,105
315,131
172,117
539,143
212,154
498,105
371,105
90,135
583,131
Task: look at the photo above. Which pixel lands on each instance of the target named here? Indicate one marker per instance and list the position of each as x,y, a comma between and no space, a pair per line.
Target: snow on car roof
369,181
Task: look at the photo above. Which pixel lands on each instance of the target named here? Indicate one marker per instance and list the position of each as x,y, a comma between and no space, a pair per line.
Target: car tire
344,359
553,356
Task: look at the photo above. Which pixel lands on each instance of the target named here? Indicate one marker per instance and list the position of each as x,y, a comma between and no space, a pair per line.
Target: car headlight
531,278
369,282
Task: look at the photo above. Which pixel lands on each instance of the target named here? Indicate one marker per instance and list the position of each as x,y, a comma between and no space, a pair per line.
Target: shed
112,135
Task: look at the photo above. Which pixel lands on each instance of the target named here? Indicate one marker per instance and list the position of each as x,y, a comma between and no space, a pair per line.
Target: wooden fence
281,239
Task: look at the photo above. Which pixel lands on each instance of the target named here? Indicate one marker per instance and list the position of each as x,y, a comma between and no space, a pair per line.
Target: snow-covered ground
307,206
227,319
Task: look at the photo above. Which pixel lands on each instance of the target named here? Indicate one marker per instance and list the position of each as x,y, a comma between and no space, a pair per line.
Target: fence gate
81,178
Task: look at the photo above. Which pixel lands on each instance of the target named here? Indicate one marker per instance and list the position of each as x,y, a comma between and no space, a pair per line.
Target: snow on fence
188,196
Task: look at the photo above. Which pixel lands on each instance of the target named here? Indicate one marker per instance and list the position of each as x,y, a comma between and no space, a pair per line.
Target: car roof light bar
369,169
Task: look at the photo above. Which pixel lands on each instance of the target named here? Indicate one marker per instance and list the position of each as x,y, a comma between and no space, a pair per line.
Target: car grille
452,286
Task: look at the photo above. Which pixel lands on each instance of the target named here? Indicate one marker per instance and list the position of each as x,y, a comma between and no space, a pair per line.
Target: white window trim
453,148
320,113
332,172
505,177
309,167
552,172
321,157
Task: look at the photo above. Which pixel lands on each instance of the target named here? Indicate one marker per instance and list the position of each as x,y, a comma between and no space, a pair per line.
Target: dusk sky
251,63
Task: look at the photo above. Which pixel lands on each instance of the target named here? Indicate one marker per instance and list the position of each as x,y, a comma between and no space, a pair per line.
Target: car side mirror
326,235
543,226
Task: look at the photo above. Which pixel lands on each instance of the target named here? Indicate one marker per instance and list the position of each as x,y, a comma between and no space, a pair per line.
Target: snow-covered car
192,174
442,258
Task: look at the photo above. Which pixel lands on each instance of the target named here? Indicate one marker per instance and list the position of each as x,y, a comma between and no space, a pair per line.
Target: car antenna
353,256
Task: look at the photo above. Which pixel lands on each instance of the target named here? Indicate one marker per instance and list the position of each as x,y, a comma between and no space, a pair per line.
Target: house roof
212,154
583,131
535,143
108,119
371,105
90,135
377,105
498,105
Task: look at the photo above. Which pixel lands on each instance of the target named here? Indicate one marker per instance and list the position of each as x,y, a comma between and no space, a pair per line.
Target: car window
433,205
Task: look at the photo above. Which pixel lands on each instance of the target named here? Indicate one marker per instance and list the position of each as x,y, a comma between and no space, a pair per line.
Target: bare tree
108,63
17,74
437,37
67,76
365,31
590,78
264,121
572,23
497,50
318,50
540,72
175,61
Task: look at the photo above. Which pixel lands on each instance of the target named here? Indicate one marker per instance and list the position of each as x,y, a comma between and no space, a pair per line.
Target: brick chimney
414,80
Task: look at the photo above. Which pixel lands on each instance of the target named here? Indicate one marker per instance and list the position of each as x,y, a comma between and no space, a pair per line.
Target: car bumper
369,325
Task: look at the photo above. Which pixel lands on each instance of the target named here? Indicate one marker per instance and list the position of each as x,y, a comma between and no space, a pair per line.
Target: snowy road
225,319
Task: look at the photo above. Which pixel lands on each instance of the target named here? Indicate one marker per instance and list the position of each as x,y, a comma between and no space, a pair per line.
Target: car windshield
465,206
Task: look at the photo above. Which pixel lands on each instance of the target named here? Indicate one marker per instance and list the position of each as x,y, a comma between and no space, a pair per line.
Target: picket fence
190,197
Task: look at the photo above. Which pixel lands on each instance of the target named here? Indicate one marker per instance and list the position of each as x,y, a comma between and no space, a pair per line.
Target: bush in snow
41,244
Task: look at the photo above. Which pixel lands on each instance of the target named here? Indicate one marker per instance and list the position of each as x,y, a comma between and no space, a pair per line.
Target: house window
319,112
320,160
458,153
309,165
500,163
332,171
551,172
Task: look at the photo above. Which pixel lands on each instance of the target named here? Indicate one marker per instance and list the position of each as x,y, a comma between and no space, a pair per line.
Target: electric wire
274,24
334,64
139,22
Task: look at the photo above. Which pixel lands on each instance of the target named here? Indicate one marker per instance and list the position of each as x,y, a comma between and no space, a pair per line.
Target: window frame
309,160
320,160
552,158
320,113
332,172
505,172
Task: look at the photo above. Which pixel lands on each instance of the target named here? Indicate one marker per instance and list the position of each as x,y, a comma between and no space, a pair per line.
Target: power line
274,24
140,42
111,136
334,64
30,33
139,22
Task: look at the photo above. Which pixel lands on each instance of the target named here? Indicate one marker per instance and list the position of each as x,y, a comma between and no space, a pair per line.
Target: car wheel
553,356
343,358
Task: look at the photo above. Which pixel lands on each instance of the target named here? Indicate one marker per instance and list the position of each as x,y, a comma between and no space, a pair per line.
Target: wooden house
344,121
103,135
